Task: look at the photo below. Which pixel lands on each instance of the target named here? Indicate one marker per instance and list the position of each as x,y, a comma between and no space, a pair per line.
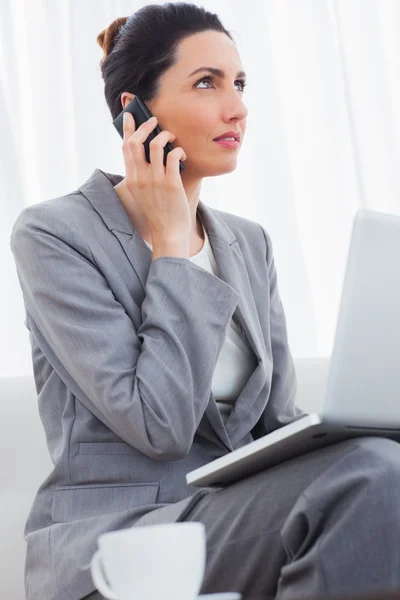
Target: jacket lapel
98,189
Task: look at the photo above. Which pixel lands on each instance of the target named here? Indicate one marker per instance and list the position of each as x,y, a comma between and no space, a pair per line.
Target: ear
126,97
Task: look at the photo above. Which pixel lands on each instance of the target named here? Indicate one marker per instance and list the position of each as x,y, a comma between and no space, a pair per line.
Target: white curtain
322,137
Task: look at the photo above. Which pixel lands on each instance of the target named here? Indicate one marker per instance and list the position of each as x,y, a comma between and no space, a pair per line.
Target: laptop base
300,437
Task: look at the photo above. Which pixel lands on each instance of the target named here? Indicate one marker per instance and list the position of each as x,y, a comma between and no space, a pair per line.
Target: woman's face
197,110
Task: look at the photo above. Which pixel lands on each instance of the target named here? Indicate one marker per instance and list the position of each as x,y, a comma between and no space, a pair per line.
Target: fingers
128,126
134,147
128,122
172,168
157,154
134,142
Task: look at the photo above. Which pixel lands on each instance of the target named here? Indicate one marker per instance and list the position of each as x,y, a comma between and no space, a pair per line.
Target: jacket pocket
108,448
74,502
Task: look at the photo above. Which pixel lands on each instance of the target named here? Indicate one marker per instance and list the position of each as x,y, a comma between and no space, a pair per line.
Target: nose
235,109
235,116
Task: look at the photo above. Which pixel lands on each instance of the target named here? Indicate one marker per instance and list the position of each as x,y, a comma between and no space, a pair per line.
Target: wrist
175,248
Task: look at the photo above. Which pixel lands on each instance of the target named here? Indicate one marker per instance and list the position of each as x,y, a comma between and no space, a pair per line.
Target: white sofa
25,462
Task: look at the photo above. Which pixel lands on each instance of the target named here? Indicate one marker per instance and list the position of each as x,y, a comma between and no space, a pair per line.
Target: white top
235,362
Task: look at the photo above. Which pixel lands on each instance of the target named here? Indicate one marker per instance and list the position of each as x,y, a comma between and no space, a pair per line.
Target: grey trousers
323,524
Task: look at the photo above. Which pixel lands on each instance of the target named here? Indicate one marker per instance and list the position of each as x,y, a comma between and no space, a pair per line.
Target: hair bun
107,38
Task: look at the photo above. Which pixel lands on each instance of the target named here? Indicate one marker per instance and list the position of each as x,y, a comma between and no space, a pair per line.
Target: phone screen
141,114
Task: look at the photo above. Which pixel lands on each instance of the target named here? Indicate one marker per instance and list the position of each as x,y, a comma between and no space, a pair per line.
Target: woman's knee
361,487
365,469
370,472
382,451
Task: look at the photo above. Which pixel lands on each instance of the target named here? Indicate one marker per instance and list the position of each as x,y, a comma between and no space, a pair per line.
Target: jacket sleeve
281,408
150,386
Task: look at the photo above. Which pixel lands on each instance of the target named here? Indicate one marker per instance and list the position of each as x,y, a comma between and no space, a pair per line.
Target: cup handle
98,577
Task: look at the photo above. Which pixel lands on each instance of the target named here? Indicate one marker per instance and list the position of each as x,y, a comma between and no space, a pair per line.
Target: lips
229,134
228,143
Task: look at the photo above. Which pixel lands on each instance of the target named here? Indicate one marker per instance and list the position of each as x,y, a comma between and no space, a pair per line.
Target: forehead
210,48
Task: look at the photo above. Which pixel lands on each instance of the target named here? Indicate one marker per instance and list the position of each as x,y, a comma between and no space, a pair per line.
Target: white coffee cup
155,561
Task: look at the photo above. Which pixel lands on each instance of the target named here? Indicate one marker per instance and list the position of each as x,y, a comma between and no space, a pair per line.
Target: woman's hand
157,190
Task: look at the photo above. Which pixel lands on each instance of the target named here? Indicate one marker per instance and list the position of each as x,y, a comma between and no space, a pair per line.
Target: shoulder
61,217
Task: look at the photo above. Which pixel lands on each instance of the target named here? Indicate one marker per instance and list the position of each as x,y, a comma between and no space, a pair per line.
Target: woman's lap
263,532
257,528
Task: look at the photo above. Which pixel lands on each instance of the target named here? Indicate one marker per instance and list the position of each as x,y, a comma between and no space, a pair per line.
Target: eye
210,78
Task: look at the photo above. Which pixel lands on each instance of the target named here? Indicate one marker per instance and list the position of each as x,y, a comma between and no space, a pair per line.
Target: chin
221,169
206,168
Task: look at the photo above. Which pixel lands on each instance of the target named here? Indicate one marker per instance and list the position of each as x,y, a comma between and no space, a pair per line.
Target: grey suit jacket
124,349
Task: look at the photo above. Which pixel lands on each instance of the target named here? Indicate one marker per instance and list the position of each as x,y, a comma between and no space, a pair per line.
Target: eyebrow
216,72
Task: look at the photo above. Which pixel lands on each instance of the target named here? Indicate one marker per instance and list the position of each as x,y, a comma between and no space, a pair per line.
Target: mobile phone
141,114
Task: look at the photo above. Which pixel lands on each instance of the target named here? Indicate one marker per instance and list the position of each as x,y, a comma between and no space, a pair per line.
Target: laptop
362,394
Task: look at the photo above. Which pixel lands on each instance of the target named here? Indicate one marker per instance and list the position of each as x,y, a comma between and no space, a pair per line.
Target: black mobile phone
141,114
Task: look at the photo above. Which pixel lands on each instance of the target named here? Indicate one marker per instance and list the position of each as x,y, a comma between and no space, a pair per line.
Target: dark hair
139,48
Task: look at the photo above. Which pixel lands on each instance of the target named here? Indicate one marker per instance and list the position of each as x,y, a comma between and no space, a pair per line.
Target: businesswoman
159,343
